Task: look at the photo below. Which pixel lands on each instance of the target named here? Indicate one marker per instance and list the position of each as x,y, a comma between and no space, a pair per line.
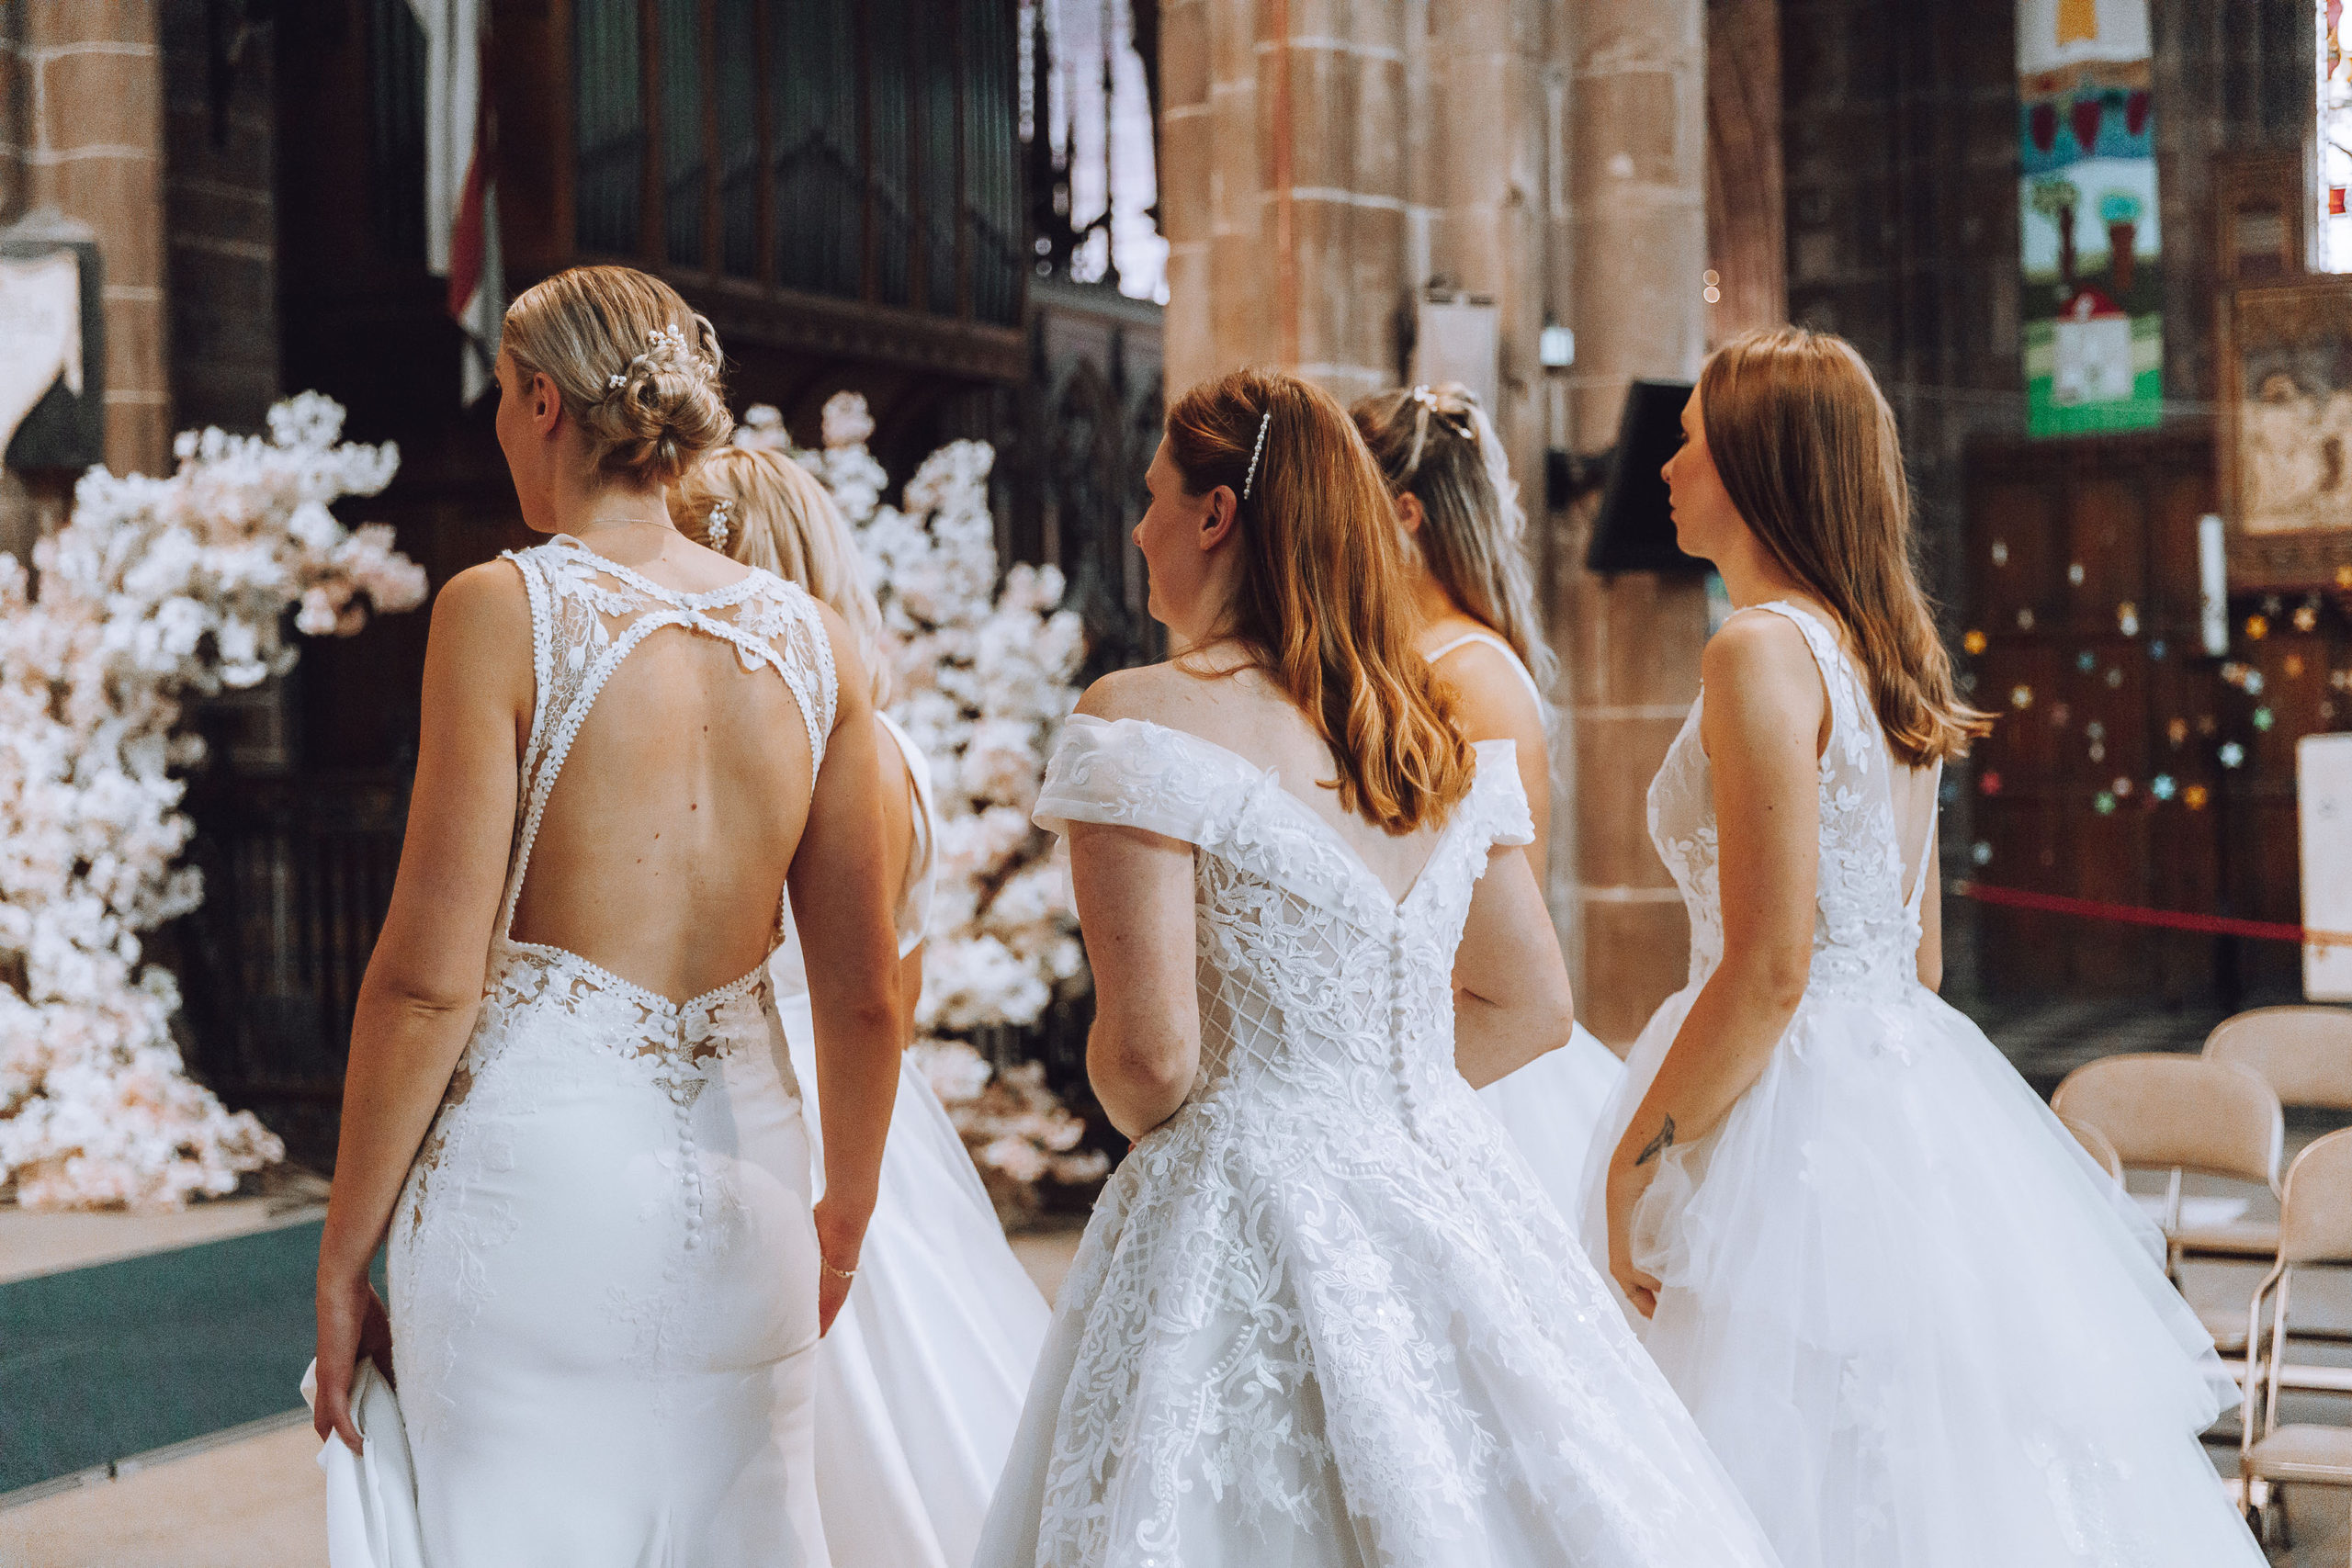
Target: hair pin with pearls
1251,478
718,533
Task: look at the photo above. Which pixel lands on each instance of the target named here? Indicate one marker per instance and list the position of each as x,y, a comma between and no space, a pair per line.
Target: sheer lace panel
1866,925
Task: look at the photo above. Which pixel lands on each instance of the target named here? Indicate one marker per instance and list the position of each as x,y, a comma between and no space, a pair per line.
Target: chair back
2180,1113
2097,1146
2304,1053
2315,1215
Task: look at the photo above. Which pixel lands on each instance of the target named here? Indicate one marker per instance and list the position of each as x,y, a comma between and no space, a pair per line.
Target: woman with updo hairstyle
569,1113
1462,533
1920,1326
1324,1315
920,1382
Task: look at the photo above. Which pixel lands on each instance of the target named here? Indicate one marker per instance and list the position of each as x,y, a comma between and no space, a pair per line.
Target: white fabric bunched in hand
371,1497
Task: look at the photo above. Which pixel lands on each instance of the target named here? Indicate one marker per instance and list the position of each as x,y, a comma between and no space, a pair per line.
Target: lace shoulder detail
1499,795
1130,774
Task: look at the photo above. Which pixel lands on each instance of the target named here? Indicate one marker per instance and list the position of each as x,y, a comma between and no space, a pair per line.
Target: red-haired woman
1323,1316
1919,1325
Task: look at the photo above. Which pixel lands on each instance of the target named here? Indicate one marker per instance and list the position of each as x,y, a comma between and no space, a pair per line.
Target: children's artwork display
2091,307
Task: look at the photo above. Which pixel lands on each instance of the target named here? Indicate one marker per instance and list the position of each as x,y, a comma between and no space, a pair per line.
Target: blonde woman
919,1382
566,1103
1465,568
1311,1324
1921,1327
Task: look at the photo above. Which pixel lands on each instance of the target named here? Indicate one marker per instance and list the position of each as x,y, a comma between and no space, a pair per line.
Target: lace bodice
1866,931
1309,970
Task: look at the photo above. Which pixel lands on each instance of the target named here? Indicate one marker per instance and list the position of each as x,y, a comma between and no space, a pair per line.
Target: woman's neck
1752,578
609,518
1431,602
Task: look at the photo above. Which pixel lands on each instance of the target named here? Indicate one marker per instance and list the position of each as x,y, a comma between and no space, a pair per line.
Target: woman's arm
842,905
1134,897
1931,921
1510,990
1761,724
416,1005
1492,703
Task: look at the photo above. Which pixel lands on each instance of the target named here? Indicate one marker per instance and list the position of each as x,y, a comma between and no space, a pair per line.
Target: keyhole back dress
602,1264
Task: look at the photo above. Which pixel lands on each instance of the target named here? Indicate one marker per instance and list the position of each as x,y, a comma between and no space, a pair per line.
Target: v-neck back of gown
602,1264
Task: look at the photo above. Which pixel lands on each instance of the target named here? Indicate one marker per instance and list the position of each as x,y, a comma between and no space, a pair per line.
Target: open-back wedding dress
1323,1317
603,1265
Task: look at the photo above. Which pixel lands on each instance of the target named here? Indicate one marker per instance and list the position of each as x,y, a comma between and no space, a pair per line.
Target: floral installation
982,676
155,590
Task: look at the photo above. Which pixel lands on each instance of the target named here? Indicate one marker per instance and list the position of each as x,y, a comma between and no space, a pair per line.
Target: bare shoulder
487,601
1159,693
1760,653
1491,691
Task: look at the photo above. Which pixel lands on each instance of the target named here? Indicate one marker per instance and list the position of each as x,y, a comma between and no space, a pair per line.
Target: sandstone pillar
88,80
1630,645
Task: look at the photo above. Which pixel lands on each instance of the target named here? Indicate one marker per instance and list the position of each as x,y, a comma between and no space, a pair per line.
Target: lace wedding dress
1323,1317
920,1382
603,1265
1551,1106
1920,1326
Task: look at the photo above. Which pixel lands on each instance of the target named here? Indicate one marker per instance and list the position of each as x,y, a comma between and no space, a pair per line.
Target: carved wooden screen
862,153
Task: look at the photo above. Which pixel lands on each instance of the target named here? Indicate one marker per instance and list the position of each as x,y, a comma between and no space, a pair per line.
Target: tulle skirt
920,1382
1919,1325
1551,1106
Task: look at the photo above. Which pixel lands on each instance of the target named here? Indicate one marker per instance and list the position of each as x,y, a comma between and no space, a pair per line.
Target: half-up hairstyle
1321,606
638,370
778,518
1808,452
1436,445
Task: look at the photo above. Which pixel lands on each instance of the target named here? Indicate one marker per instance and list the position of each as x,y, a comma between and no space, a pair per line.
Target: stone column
91,74
1630,645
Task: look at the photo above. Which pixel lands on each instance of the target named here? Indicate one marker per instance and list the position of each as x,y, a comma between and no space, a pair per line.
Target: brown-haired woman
1466,568
1920,1326
565,1102
1315,1320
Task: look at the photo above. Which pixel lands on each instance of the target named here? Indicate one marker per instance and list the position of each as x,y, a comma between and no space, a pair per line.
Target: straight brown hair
1808,452
1321,606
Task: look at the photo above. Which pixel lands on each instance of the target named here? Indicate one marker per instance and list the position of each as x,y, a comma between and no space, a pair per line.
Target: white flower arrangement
983,679
154,590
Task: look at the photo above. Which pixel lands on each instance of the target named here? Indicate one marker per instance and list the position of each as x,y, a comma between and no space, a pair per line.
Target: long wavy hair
1436,445
780,519
1808,452
1321,606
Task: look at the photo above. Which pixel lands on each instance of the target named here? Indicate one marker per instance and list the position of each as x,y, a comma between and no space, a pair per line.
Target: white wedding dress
1551,1105
602,1264
1920,1326
920,1382
1323,1316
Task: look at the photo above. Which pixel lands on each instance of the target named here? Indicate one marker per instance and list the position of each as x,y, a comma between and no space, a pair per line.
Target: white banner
40,333
2323,792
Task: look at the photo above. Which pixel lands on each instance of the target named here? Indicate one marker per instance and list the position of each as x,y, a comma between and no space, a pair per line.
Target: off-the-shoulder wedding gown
1322,1317
603,1265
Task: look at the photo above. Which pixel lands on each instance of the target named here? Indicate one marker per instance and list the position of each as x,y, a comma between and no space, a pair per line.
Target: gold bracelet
836,1273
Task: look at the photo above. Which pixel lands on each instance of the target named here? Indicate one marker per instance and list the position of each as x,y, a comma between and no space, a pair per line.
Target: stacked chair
2314,1228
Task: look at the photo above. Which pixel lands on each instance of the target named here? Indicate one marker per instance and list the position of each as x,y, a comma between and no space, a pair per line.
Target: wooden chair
2183,1114
2303,1053
2314,1227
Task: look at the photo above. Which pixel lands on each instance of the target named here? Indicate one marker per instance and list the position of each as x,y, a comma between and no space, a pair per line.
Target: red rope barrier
2133,915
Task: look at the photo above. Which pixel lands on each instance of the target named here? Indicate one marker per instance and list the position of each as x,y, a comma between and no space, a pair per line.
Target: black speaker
1635,531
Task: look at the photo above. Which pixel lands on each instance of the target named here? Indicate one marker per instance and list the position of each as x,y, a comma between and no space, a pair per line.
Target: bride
607,1280
1323,1316
1465,566
1920,1326
920,1382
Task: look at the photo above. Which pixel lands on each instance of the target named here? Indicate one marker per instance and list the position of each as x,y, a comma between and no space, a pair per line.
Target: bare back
674,745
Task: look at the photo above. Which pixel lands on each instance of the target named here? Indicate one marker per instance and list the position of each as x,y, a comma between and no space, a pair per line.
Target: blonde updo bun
637,368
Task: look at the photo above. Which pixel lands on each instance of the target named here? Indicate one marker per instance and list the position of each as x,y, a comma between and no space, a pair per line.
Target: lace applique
1866,932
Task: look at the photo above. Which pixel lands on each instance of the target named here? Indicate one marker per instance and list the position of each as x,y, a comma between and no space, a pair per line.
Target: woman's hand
1627,1186
352,1324
839,1236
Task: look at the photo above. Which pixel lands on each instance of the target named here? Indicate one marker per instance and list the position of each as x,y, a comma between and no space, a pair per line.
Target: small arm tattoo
1657,1145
